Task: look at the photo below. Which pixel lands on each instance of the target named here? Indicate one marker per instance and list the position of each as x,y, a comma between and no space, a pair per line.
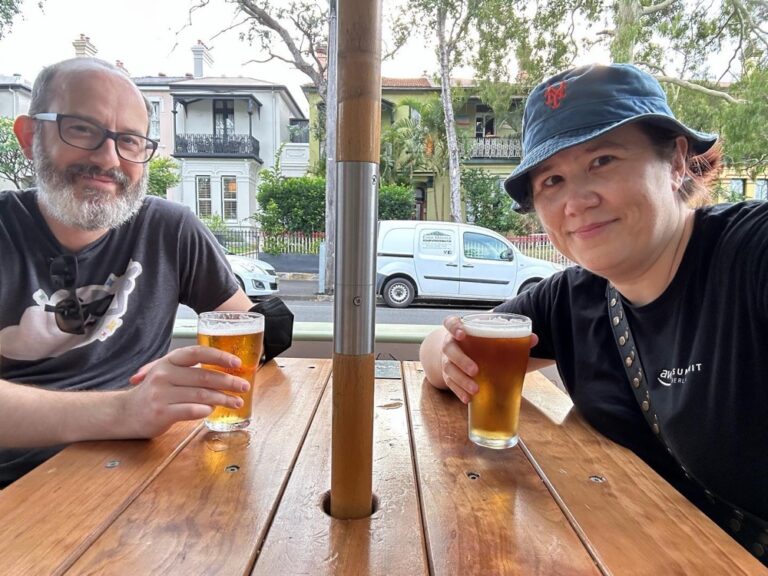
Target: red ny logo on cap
554,94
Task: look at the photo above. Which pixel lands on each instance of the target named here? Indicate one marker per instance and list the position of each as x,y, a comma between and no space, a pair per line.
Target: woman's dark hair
701,171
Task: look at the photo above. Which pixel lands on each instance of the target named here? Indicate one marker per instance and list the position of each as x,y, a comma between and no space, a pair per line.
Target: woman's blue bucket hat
578,105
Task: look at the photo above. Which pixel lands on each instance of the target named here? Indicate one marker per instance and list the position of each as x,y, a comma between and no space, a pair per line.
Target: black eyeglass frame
71,315
56,117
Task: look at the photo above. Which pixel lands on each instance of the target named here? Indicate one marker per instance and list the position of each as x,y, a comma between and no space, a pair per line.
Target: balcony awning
186,98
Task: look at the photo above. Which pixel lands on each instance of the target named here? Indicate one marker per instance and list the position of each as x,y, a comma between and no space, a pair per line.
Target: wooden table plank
304,540
57,510
634,522
486,511
199,518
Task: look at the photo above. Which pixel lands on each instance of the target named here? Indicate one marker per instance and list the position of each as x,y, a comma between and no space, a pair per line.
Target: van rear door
437,260
485,272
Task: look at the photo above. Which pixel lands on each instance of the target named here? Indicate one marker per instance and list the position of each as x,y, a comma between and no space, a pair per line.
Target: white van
445,260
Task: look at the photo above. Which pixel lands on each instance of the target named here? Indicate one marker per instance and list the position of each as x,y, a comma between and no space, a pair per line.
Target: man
91,275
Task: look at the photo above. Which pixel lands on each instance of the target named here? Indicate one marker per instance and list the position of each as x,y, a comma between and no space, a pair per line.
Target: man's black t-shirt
162,256
704,348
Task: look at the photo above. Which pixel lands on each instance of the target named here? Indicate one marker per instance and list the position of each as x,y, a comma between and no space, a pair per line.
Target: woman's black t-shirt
704,348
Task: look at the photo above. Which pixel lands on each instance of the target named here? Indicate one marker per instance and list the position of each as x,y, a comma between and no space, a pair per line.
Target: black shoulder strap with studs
749,530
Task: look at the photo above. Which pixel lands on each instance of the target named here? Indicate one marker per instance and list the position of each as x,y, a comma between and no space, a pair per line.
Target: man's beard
95,209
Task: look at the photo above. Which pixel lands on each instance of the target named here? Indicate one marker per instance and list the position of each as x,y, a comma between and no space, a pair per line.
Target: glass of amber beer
499,345
241,334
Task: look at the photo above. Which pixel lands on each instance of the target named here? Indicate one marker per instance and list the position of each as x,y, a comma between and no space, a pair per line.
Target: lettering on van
437,242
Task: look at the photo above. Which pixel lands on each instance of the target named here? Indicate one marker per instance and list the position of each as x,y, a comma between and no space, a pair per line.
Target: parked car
256,277
445,260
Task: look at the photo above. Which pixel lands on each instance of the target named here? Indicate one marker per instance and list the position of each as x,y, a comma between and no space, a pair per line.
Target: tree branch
761,35
265,19
699,88
463,26
656,7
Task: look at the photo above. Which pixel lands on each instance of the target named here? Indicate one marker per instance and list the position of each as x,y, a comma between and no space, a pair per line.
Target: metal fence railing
539,246
251,240
292,243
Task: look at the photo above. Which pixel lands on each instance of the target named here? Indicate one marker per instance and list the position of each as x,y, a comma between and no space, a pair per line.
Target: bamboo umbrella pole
357,153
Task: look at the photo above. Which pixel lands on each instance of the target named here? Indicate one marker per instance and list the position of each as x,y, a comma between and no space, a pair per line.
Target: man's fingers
203,396
209,379
191,355
142,372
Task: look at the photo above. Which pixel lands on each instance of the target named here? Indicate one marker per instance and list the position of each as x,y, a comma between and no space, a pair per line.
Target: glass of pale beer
499,344
241,334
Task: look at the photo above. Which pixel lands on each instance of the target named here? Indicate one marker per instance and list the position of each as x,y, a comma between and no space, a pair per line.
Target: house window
154,120
298,130
421,202
223,118
203,194
761,189
229,197
485,125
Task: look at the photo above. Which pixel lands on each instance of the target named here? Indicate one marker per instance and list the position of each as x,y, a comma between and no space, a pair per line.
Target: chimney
84,48
200,56
322,55
119,64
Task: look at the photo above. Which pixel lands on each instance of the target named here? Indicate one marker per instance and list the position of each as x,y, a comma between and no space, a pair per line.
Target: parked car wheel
399,293
528,285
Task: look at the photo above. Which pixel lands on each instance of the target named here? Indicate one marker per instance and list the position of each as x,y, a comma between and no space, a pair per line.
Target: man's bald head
44,88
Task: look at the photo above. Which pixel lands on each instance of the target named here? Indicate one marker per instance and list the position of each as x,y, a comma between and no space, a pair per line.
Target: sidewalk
300,286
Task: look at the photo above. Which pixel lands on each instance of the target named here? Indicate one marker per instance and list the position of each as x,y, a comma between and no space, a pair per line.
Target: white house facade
15,95
223,131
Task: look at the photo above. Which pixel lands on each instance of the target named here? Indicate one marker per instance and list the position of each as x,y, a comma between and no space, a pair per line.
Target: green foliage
489,206
291,204
14,166
215,223
414,143
8,10
745,126
396,202
163,174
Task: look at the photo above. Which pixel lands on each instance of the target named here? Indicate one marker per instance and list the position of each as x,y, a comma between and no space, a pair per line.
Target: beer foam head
496,325
230,323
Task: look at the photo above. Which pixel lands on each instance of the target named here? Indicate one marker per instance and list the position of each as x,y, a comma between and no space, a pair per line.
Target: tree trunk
454,175
331,101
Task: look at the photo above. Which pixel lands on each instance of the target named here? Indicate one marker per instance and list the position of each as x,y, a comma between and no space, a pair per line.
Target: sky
153,36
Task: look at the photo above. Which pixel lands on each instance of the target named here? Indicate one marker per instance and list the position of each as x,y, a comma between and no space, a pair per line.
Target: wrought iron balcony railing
496,148
233,145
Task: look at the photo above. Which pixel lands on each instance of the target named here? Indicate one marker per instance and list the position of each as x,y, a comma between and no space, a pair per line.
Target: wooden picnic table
565,501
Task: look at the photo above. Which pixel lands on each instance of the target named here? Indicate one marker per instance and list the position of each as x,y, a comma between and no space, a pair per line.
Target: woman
658,334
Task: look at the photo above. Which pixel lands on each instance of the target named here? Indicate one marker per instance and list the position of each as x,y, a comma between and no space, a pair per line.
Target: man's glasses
72,316
86,135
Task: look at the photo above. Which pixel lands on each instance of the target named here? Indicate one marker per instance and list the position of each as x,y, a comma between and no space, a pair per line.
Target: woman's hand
454,370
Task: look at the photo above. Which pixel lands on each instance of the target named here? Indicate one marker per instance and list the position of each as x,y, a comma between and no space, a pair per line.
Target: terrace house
222,131
485,141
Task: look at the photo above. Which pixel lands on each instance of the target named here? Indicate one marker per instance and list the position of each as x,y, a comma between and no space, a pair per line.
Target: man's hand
173,388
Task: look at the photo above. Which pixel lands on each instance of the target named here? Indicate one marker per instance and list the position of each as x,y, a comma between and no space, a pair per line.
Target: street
300,297
322,311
